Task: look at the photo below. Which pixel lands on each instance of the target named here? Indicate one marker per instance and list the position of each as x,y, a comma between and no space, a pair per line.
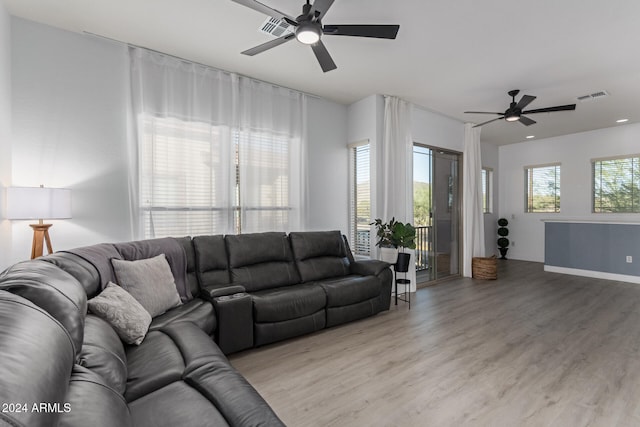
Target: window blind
360,217
542,189
200,179
616,185
181,178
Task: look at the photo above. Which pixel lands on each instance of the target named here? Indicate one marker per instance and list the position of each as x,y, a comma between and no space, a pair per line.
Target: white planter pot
389,255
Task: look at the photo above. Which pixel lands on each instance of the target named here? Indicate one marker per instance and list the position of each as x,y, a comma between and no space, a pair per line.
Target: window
197,179
616,185
542,188
487,190
360,197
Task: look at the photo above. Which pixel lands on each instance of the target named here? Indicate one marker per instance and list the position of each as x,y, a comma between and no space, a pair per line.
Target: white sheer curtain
396,176
473,221
211,152
270,157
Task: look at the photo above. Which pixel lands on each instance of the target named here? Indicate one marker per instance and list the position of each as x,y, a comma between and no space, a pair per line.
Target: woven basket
484,268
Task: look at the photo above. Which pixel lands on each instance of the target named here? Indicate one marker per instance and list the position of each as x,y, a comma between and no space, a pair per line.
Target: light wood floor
530,349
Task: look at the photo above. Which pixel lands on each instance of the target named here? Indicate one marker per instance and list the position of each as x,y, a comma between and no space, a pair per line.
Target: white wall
327,166
5,131
436,130
574,152
365,119
69,130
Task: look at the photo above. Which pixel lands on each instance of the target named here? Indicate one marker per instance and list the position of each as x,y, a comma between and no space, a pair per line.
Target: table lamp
39,203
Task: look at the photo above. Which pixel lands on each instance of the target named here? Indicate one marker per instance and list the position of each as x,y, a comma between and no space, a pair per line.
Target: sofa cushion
287,302
176,404
209,371
91,401
255,248
196,311
150,281
29,337
103,353
265,333
121,310
319,254
52,289
211,260
152,365
314,244
261,261
350,290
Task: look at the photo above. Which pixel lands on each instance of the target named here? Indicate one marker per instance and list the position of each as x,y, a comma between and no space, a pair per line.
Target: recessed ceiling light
622,120
531,136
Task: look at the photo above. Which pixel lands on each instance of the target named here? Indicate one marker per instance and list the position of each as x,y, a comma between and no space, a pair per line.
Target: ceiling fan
514,113
309,29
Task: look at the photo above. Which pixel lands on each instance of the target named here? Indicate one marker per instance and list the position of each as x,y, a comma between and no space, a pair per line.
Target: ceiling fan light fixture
512,118
308,33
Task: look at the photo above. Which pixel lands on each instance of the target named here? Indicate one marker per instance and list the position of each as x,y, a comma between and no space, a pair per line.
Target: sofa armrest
369,267
211,292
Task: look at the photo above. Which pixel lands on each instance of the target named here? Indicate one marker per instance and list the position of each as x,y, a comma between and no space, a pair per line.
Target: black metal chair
402,266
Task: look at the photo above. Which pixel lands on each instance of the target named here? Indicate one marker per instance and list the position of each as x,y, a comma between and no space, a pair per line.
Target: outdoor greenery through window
487,193
616,185
542,188
360,215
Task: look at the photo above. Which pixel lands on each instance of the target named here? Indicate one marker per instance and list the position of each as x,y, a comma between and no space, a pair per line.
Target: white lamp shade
38,203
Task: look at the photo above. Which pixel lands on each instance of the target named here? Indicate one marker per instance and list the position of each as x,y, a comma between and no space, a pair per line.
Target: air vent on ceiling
594,95
276,27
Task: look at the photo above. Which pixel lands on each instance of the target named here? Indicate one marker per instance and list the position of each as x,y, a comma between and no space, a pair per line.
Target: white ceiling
449,56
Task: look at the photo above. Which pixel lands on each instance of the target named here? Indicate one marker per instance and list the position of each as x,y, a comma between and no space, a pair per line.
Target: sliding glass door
436,211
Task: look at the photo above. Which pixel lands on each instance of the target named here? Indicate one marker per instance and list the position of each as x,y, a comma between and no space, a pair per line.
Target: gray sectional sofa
243,291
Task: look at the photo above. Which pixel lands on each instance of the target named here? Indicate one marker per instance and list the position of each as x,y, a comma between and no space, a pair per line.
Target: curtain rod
199,63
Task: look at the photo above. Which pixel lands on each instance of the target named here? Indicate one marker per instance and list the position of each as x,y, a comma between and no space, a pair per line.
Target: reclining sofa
61,365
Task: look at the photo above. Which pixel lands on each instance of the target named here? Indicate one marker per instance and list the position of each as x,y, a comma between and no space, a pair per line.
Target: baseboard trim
594,274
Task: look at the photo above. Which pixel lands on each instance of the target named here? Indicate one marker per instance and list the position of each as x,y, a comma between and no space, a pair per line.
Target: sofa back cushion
52,289
172,250
92,402
192,272
81,269
36,357
319,254
261,260
103,353
211,260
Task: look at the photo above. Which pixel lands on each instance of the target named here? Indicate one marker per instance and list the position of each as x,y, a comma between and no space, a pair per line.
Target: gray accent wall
599,247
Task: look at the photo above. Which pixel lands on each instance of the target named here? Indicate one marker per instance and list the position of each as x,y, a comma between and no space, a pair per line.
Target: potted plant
394,235
388,251
503,242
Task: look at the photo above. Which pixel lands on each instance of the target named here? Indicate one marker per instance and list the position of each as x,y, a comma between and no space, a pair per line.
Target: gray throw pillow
121,310
149,281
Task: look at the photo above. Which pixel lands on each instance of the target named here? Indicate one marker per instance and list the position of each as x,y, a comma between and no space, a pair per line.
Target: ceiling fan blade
322,54
256,5
320,7
569,107
527,121
482,112
268,45
524,101
376,31
492,120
